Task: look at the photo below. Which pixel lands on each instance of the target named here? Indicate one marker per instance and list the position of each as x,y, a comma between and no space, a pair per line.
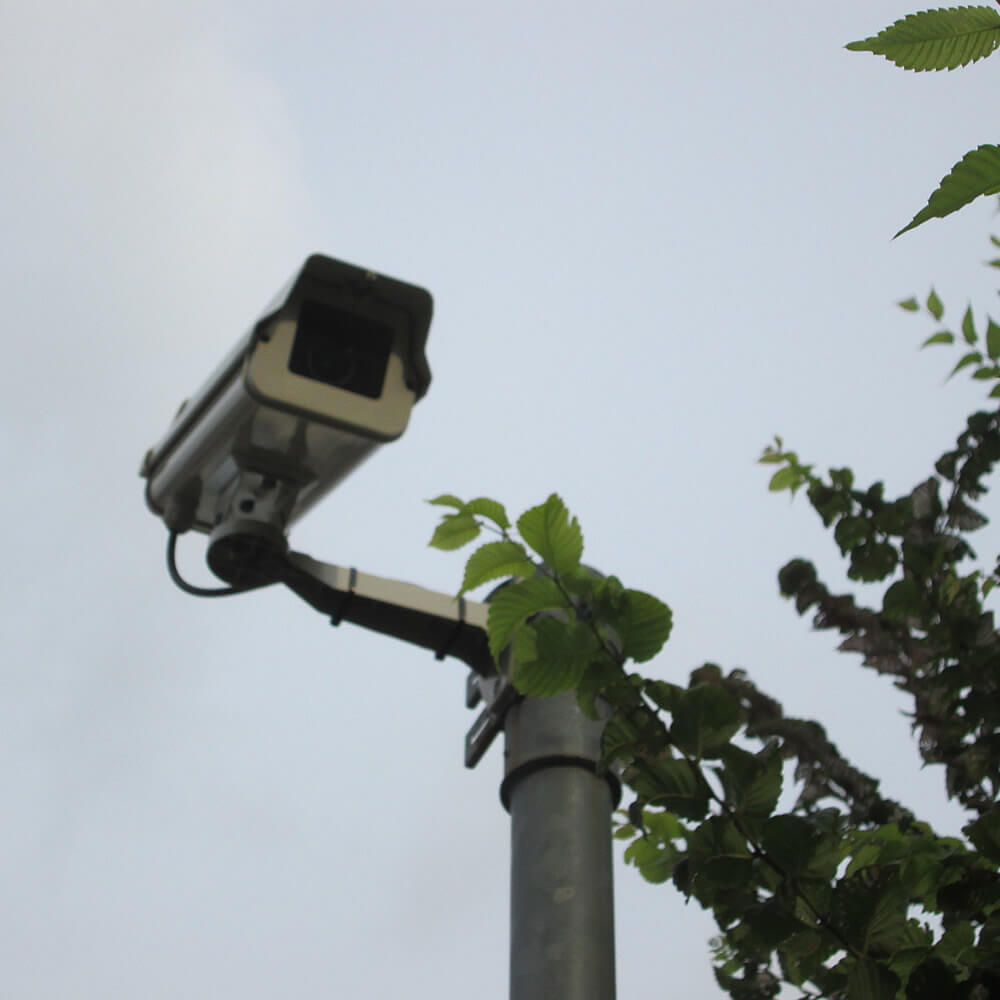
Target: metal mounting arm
445,625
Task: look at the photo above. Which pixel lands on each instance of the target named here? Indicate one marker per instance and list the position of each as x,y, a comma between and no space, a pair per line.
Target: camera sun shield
330,372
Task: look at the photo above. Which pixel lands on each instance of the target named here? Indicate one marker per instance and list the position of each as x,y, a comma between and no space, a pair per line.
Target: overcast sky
656,235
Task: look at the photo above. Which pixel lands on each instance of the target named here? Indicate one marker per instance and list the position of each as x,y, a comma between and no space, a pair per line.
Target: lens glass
341,349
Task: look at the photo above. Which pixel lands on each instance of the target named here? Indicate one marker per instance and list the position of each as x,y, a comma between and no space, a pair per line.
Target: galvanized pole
562,913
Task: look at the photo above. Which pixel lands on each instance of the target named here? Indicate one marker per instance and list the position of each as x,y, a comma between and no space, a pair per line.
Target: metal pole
562,913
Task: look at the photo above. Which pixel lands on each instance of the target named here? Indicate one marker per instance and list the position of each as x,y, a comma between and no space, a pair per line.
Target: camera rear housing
330,372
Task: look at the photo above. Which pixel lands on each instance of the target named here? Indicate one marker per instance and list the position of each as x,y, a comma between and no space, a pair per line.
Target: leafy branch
846,894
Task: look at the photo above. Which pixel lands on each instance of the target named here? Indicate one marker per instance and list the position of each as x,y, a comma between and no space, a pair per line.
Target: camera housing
327,374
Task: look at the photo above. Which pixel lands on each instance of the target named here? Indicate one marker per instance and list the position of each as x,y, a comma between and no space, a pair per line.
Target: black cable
190,588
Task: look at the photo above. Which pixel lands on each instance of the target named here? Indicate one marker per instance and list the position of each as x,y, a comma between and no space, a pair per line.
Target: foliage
938,40
846,894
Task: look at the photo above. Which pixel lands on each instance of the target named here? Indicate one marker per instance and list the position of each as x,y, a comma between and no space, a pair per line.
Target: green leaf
995,391
972,358
934,306
494,560
869,980
705,717
454,531
645,626
902,600
752,781
977,173
969,327
607,599
992,339
512,605
447,500
664,694
910,305
565,641
985,834
771,923
791,841
989,371
664,825
600,673
675,785
655,861
489,509
785,479
851,532
937,39
872,561
944,337
956,943
887,926
561,654
549,530
721,856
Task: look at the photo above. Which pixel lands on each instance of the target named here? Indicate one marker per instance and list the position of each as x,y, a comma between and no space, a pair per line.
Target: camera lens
341,348
324,365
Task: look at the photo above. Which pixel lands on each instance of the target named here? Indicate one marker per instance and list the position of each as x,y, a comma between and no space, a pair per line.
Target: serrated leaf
887,926
512,605
494,560
992,339
985,834
599,674
936,39
454,531
934,305
791,841
550,531
869,980
645,626
607,599
972,358
664,694
564,641
560,655
447,500
910,305
705,717
977,173
675,785
753,783
944,337
969,327
490,509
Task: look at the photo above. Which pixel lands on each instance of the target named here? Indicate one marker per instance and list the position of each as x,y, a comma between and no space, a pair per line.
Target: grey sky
656,235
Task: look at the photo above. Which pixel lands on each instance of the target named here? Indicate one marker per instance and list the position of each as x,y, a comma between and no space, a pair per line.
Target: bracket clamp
498,694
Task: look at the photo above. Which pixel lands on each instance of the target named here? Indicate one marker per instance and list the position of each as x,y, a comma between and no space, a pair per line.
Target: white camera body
330,371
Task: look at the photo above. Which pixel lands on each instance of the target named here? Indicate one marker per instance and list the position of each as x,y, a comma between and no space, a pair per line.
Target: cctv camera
329,373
